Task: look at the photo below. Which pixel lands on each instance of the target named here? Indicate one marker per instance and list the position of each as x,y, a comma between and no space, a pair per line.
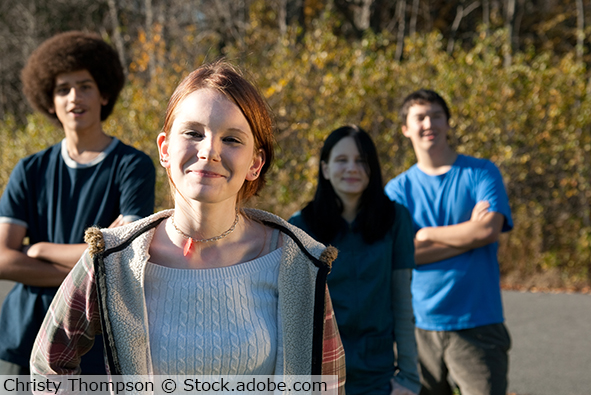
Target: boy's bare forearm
65,255
430,252
466,235
16,265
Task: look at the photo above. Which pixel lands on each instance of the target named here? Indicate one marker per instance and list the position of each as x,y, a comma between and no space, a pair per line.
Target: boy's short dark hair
65,53
422,96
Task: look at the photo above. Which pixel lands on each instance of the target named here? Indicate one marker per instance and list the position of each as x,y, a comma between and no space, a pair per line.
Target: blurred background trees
515,73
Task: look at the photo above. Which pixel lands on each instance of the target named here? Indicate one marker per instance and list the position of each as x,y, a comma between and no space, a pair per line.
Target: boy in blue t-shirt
459,207
89,178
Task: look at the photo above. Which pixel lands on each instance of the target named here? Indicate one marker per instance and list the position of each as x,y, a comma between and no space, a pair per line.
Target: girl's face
210,150
346,169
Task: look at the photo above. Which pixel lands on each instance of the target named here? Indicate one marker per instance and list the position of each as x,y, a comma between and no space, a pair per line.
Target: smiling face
426,126
210,149
346,170
77,102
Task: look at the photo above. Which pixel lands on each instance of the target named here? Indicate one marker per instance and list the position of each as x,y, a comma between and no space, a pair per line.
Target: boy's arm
41,264
62,254
17,266
433,244
65,255
429,252
466,235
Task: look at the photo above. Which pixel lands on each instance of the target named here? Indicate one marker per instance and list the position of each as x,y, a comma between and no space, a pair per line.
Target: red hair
230,82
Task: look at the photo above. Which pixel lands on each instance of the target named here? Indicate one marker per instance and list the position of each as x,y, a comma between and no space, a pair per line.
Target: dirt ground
548,281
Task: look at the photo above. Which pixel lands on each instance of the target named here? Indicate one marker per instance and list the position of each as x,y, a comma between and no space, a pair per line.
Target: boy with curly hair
89,178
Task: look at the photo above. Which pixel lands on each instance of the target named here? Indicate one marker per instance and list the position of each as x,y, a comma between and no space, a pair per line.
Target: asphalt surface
551,334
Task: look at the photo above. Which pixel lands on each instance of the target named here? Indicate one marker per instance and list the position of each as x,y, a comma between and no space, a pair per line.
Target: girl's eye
232,140
193,134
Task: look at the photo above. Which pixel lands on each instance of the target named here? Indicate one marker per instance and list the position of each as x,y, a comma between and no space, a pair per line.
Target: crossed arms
434,244
42,264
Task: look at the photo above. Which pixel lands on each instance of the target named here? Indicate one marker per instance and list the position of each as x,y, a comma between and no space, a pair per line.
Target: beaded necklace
191,241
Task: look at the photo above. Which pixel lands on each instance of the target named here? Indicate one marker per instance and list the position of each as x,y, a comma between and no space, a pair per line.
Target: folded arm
433,244
16,265
42,264
429,252
63,254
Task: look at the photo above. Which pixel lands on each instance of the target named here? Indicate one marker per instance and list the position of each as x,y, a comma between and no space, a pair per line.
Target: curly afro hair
67,52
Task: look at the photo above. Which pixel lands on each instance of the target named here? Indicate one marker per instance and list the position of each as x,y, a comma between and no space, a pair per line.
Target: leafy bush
532,119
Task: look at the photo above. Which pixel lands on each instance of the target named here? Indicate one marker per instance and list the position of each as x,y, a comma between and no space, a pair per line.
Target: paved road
551,334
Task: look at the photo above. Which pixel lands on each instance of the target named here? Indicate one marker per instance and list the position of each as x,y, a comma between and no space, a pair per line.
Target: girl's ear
325,170
163,150
258,161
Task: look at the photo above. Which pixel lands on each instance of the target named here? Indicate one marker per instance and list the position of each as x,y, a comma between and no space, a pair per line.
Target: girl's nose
208,150
352,165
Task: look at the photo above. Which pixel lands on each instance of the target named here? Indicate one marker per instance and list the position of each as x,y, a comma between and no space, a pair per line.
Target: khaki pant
475,359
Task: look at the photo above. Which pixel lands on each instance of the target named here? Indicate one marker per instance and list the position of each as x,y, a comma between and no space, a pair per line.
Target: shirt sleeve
403,249
404,327
333,353
138,180
404,330
492,189
394,191
14,202
70,326
297,220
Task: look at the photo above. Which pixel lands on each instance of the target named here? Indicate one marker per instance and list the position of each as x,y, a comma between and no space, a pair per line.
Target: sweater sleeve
70,326
404,329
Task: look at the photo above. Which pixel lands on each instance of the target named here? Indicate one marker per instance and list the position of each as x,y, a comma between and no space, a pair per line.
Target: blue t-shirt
360,284
460,292
56,199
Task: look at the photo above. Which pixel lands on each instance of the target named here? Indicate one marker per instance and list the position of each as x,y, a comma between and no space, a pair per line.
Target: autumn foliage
532,118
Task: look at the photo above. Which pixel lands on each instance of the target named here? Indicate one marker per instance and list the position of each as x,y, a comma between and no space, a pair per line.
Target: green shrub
532,119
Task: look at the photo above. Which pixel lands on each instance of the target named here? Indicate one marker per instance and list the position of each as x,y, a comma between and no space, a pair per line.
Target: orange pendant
188,246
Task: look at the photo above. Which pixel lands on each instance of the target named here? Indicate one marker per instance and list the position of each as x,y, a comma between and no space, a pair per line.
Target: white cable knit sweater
214,321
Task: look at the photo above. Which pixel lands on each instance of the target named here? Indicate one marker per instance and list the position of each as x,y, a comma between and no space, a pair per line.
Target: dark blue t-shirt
56,199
